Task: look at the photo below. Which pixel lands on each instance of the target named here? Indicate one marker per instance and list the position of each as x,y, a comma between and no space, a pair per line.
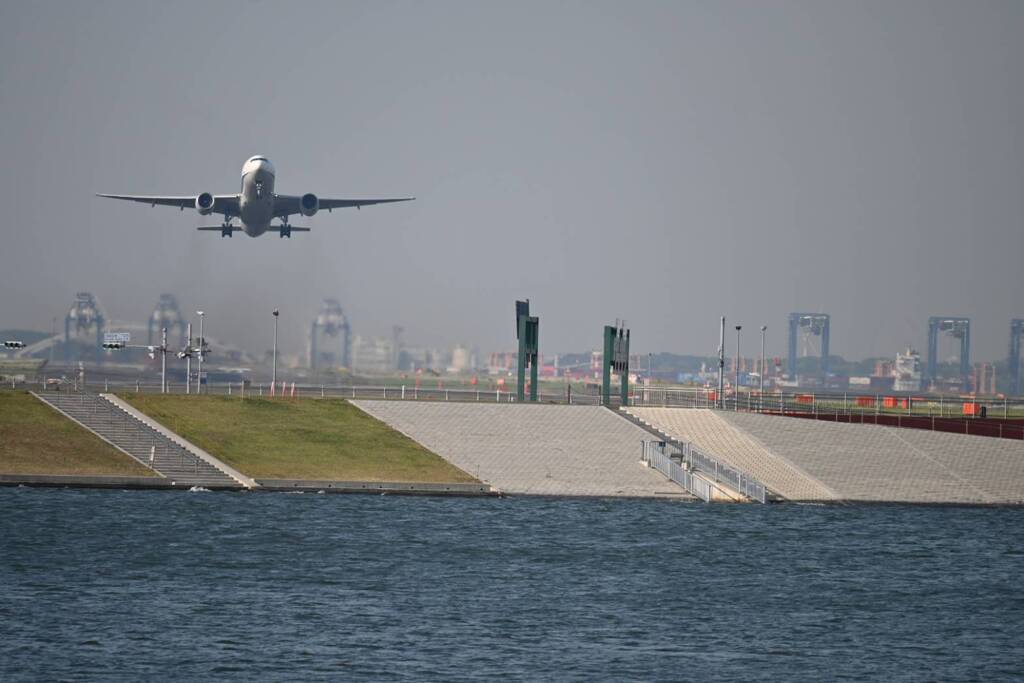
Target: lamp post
202,343
273,378
650,379
736,388
163,360
188,360
760,400
721,368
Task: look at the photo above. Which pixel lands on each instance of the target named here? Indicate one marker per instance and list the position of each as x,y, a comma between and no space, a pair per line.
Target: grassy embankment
36,439
297,438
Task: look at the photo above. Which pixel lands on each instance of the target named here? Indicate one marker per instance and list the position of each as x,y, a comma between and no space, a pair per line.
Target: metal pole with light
721,367
650,378
188,361
202,343
163,360
760,400
736,388
274,376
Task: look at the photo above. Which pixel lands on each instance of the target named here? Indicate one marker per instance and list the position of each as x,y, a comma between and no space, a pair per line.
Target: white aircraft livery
256,205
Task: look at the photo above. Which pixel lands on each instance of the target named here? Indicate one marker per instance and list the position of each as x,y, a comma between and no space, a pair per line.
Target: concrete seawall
527,449
804,460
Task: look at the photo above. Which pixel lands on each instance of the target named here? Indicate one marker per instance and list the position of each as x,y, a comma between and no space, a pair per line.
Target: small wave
196,489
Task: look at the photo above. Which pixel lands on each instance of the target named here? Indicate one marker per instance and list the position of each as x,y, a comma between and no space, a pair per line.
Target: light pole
188,360
721,367
650,379
202,343
273,379
736,388
163,360
760,400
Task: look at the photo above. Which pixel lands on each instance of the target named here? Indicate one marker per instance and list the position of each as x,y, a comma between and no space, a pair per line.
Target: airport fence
984,416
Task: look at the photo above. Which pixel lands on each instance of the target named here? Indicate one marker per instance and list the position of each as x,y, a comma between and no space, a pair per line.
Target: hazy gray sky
665,163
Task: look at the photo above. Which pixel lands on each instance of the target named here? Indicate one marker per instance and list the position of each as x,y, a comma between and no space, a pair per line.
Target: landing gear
226,229
286,230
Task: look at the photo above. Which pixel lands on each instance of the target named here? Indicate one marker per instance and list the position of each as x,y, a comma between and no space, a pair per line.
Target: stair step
139,440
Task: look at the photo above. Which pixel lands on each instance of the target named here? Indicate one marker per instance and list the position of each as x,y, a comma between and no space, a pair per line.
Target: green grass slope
297,439
36,439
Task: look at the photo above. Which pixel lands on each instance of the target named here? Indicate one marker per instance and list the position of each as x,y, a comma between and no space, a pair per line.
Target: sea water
133,585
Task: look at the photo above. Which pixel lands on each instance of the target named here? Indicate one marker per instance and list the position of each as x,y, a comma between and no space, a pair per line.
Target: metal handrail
723,473
654,454
691,459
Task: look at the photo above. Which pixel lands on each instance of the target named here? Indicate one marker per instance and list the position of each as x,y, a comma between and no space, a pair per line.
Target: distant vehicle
256,205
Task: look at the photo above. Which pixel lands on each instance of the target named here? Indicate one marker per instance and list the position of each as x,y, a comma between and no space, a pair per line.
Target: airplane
256,205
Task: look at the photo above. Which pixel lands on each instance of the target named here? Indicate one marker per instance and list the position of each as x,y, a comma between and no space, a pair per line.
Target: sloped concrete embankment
803,460
552,450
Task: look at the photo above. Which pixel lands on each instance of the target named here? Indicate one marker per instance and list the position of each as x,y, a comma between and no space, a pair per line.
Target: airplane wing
288,205
226,204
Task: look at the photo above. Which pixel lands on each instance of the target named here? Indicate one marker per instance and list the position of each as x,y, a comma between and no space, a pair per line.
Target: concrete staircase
138,440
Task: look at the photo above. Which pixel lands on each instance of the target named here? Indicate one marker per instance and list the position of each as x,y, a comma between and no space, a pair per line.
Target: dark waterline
128,585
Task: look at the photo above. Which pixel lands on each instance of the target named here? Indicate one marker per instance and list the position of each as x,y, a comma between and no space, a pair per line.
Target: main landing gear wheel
226,229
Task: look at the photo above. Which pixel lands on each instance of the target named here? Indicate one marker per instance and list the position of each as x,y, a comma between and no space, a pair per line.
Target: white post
199,378
736,389
760,402
188,361
721,367
274,374
163,361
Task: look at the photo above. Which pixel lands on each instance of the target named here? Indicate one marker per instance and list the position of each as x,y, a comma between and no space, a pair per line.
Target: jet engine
309,204
204,204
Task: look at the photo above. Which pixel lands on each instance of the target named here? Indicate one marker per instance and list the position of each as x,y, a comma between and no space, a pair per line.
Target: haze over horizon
665,163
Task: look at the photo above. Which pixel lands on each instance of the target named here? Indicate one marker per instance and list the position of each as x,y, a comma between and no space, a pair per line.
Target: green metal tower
616,357
528,333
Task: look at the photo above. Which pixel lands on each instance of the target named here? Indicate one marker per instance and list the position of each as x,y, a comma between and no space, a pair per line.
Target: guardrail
724,474
654,455
824,403
685,458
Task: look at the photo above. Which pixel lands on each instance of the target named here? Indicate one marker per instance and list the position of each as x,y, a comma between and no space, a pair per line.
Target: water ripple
107,585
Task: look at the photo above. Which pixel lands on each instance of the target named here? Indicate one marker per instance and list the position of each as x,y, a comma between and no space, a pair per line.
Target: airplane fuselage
256,203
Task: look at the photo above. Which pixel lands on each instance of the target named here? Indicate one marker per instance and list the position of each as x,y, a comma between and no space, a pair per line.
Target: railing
829,402
654,454
683,458
724,474
843,407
